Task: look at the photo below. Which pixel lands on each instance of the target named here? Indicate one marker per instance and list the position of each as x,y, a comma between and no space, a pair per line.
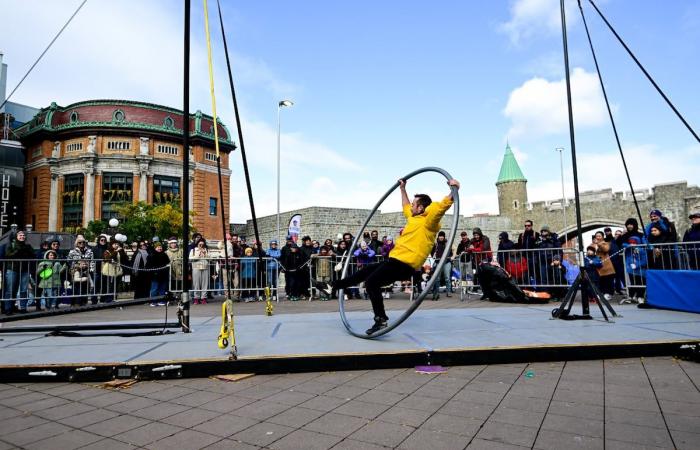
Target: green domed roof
510,170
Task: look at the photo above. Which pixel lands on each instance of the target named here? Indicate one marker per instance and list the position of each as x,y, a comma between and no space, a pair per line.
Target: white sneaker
607,297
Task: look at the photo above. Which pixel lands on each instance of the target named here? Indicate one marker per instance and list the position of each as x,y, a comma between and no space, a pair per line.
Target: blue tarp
674,289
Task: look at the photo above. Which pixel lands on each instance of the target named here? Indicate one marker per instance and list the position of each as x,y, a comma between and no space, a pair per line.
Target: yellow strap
211,78
227,307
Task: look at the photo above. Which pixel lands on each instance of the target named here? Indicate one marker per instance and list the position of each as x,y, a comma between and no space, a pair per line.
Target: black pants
375,277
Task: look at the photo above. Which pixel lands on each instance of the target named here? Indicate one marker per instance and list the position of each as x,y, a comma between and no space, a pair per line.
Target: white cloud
108,51
530,18
297,151
601,170
538,107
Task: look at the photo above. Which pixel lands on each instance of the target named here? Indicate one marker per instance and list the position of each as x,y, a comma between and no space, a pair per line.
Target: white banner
295,227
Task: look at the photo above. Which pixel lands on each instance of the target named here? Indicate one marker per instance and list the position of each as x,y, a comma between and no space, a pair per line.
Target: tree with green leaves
141,220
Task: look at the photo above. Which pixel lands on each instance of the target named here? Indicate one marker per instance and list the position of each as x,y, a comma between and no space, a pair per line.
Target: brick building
83,159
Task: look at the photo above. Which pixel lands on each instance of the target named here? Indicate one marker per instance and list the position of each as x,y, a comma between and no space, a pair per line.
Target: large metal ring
436,273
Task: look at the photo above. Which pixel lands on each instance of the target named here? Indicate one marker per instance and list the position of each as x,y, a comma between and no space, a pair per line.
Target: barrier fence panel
638,259
532,267
70,282
246,278
57,283
327,269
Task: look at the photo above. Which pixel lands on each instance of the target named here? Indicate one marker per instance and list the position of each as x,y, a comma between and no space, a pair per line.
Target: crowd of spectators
150,268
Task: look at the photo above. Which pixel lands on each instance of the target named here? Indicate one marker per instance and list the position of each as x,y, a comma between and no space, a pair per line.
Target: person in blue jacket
636,266
591,264
272,266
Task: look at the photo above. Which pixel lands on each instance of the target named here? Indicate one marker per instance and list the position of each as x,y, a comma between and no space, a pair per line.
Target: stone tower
512,189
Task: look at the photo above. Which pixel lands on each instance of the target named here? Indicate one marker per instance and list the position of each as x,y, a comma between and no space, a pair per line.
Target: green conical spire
510,170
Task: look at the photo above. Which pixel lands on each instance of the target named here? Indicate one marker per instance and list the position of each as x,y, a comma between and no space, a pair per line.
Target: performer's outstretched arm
404,196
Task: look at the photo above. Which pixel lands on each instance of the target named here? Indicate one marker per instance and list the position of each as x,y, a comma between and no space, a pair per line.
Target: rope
610,114
225,317
216,138
240,132
641,67
43,53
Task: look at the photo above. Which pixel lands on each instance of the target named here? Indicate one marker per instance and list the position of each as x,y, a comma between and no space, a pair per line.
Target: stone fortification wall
598,208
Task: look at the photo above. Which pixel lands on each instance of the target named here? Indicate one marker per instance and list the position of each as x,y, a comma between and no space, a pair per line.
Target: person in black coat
527,240
293,261
140,278
158,266
505,247
20,256
661,255
693,235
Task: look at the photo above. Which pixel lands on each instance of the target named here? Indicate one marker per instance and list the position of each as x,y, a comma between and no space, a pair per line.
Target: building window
72,220
210,156
118,116
166,189
73,117
168,122
36,152
116,188
118,145
164,149
212,206
515,204
73,189
35,187
74,147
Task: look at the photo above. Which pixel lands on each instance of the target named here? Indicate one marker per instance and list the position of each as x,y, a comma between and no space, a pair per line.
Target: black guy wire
223,228
610,114
571,128
43,53
240,139
186,151
641,67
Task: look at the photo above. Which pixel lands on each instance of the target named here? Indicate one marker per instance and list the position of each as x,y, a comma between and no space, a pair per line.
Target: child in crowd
248,270
636,262
323,264
591,264
48,274
82,284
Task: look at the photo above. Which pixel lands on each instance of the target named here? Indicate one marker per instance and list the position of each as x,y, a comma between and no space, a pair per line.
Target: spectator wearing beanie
668,228
438,250
661,256
505,246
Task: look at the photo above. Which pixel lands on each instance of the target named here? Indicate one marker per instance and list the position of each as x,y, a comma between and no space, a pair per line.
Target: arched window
73,117
118,116
168,122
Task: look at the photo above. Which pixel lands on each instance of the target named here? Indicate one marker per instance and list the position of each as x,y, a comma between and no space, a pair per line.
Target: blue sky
383,88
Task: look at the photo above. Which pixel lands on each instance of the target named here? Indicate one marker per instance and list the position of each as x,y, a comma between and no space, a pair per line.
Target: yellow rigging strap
211,78
227,335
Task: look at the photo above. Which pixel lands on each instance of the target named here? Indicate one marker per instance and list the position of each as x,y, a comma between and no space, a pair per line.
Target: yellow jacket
418,236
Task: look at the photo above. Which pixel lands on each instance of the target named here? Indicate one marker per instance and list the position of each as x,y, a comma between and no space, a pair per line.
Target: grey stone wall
598,208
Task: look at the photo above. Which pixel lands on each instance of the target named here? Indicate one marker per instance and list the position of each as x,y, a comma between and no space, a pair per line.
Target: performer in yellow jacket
412,248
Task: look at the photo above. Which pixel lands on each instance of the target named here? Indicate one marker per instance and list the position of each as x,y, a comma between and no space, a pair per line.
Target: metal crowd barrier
545,269
246,278
67,282
638,259
56,283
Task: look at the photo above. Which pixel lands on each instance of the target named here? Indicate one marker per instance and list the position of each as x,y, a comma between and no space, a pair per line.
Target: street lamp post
280,105
563,195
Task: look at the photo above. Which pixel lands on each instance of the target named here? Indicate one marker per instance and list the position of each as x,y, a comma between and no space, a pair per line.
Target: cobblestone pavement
614,404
